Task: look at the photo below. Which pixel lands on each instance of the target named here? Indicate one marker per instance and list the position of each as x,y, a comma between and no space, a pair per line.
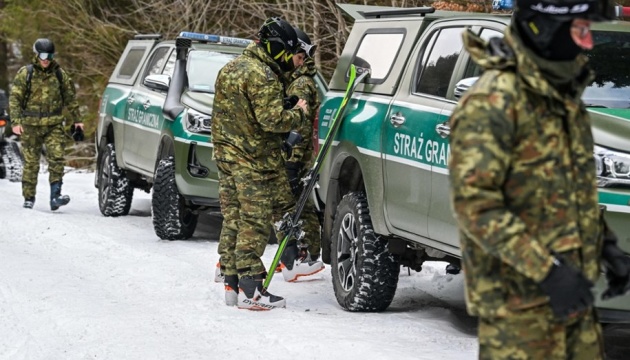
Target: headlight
198,122
612,167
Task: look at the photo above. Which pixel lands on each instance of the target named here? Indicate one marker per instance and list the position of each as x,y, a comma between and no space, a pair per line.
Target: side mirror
463,85
157,82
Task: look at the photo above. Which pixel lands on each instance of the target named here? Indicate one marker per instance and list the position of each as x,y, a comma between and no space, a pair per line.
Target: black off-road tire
12,161
364,272
172,218
115,191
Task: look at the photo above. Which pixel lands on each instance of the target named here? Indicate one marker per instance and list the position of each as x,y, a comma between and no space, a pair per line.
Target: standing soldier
524,191
249,121
302,85
40,92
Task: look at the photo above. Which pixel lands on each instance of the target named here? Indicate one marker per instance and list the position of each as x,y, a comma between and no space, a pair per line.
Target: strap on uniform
29,77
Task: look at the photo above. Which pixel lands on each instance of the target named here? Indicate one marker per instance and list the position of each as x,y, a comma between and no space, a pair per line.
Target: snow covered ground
77,285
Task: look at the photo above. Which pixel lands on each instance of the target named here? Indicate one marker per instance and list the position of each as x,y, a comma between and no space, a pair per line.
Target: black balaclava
549,39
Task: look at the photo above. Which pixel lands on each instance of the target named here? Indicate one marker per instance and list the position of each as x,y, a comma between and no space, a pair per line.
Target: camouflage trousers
533,334
250,202
32,139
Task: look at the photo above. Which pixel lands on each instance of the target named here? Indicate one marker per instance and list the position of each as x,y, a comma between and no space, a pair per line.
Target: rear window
380,51
131,63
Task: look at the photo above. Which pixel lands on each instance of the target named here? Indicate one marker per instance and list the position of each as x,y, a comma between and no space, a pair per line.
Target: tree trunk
4,48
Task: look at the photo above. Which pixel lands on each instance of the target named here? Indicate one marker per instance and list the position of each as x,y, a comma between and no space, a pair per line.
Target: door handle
146,104
130,100
397,119
443,130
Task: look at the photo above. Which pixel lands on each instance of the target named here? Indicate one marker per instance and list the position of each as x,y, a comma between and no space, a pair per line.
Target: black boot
296,264
56,199
252,297
29,203
231,289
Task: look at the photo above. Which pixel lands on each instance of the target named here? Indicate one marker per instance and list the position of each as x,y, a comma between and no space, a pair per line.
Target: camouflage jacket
522,177
303,86
249,121
46,97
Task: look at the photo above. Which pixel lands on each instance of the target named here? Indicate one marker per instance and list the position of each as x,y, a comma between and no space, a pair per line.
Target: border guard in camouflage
524,191
302,260
39,94
249,121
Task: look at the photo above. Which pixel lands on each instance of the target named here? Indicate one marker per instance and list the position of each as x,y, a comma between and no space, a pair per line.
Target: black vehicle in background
11,161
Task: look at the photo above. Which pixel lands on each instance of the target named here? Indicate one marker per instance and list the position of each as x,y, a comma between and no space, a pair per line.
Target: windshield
203,68
610,58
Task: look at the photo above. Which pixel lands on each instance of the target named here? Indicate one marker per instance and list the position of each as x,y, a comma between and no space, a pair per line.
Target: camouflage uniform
304,87
42,120
523,186
247,133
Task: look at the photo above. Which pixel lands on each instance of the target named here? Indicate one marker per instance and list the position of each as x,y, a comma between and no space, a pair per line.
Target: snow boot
29,203
452,269
218,274
56,199
231,290
252,297
296,264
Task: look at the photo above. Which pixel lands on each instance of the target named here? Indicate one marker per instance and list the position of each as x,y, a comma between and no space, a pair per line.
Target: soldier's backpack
29,77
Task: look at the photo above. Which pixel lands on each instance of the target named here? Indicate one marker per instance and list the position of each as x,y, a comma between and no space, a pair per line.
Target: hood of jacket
254,50
308,69
538,74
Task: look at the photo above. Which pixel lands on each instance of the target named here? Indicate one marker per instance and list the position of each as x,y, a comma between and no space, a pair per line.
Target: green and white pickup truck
385,180
154,128
139,147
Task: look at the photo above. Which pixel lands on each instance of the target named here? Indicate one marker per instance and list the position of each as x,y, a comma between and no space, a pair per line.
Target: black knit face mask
549,39
562,46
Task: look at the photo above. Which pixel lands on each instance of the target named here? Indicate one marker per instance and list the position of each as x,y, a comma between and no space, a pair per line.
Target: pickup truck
138,147
154,126
385,182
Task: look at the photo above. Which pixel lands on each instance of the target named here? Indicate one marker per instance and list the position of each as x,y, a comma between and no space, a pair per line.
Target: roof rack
147,37
398,12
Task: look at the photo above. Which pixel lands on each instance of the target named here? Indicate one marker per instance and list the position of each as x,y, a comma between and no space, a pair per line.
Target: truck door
144,116
442,225
120,87
408,136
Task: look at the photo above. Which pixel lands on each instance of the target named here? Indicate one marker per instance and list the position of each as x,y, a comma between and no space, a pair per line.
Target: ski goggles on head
45,56
308,49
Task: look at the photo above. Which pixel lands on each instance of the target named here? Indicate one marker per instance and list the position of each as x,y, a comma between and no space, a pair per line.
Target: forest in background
90,35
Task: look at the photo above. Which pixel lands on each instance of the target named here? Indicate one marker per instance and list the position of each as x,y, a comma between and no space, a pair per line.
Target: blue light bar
215,38
502,5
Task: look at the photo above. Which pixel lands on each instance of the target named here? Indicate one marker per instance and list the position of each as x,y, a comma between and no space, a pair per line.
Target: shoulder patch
271,76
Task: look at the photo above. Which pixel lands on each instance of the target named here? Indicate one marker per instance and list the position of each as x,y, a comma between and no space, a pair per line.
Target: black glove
289,102
293,173
290,141
568,290
617,264
77,133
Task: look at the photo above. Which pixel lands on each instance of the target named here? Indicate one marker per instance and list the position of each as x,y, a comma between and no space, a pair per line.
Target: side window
472,69
437,66
157,61
170,65
131,62
380,51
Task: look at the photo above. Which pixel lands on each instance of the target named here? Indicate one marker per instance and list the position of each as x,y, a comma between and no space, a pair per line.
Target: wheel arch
165,149
346,176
